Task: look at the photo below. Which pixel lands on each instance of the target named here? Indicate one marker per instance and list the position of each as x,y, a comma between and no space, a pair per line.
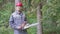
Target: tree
16,1
39,17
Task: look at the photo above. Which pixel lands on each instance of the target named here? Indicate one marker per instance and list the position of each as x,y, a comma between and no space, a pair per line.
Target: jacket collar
18,12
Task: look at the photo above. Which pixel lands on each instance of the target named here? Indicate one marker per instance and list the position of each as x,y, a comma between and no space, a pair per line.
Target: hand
23,25
20,27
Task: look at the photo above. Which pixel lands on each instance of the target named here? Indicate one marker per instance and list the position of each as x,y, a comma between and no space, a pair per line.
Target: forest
50,15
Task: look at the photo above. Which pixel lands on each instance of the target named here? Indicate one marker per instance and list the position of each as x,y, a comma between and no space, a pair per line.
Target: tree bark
39,17
16,1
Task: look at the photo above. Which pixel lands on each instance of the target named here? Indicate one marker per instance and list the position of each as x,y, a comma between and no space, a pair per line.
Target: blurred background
50,15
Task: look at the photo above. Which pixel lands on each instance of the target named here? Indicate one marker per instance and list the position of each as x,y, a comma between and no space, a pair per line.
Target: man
17,20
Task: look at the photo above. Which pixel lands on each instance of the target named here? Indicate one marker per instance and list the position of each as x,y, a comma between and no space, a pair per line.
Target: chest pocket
17,17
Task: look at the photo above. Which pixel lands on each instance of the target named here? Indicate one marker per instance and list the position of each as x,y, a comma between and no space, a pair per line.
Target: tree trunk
39,17
16,1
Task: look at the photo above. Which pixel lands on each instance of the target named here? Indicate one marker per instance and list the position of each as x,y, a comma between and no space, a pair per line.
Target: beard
20,11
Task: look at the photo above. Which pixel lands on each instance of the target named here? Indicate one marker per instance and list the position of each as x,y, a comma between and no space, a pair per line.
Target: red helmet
19,4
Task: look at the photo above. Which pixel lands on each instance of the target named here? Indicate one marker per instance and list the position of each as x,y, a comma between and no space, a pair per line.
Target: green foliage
50,16
32,30
1,1
4,18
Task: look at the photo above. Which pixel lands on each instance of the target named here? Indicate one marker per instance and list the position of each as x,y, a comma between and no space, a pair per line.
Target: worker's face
18,8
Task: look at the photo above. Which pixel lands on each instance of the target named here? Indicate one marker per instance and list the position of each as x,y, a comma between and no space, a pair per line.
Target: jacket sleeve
25,19
11,22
